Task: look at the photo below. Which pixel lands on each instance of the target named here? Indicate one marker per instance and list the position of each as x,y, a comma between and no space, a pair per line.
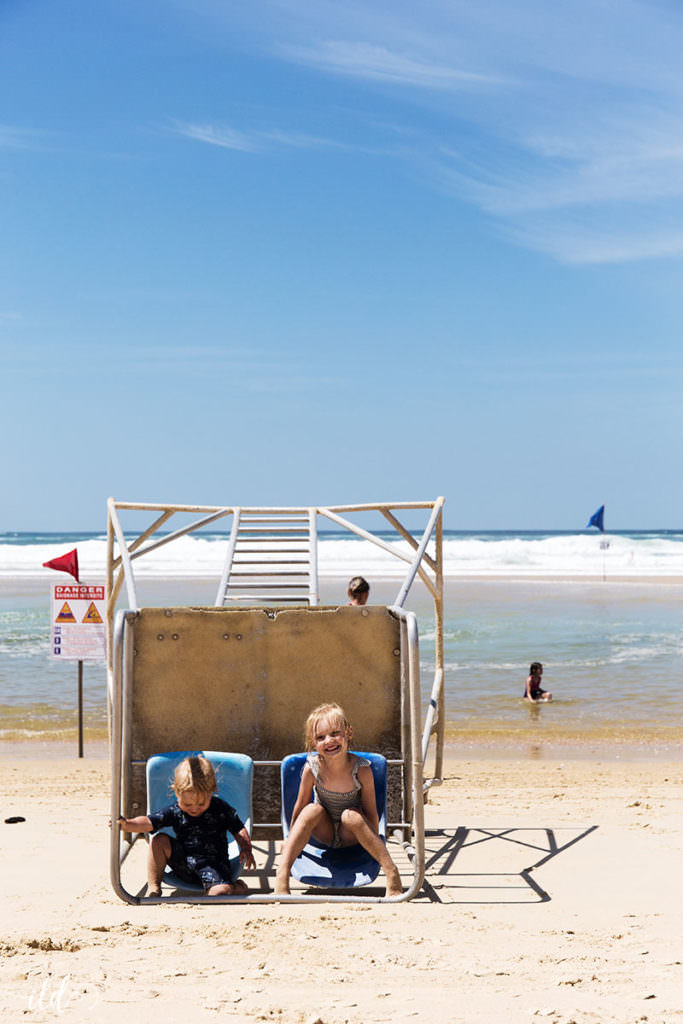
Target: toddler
199,850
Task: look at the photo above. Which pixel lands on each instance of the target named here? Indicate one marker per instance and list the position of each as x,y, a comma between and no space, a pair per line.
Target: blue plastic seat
234,774
341,868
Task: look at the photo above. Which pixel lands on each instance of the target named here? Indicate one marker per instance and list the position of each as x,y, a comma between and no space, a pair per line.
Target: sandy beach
552,894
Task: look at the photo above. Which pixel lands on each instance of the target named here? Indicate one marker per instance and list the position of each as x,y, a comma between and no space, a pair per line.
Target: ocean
604,620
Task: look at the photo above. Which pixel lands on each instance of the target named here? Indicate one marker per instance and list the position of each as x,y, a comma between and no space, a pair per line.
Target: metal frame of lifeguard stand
420,563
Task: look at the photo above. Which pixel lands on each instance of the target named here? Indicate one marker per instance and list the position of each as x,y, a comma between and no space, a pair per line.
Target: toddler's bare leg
157,859
236,888
313,819
363,834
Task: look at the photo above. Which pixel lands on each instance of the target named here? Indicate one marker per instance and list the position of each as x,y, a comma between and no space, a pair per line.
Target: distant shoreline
384,580
479,554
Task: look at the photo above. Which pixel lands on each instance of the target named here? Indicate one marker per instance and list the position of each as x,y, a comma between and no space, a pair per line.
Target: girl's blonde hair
334,713
196,773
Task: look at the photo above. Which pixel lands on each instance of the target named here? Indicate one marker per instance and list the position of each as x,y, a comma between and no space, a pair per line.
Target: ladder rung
274,551
272,561
274,529
257,574
272,538
282,519
267,586
266,593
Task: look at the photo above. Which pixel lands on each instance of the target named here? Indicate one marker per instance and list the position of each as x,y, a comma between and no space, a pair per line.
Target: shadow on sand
443,884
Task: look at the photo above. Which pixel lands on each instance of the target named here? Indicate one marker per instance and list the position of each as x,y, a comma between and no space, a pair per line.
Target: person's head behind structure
358,591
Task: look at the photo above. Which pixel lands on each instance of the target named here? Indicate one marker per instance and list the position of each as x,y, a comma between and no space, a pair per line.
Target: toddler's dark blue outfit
199,850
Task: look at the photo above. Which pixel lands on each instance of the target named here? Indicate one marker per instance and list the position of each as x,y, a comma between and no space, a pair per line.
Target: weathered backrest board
244,680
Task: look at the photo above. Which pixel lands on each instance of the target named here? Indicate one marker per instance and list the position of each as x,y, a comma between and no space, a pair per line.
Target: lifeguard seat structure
242,675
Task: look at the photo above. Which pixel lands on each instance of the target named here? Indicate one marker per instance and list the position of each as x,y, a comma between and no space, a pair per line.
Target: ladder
272,558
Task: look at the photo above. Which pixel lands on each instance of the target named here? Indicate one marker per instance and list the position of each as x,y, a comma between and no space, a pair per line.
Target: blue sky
287,252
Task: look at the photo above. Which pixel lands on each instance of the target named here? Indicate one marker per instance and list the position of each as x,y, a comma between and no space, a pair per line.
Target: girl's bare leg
314,819
158,856
360,831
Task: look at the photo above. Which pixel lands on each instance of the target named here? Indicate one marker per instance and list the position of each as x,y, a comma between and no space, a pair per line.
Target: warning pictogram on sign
92,614
66,615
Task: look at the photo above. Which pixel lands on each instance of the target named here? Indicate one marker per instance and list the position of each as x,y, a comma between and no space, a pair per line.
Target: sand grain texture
590,934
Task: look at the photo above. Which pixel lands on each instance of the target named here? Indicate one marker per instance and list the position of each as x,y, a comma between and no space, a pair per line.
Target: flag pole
604,545
598,520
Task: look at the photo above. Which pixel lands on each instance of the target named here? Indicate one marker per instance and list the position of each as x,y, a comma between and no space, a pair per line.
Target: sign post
80,709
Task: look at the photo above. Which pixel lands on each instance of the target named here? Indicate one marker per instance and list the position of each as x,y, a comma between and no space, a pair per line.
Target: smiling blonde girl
344,810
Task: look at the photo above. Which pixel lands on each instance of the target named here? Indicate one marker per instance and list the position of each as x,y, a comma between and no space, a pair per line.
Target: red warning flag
65,563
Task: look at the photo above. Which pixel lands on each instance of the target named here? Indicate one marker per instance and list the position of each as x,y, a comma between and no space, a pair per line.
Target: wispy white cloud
597,362
609,194
585,242
255,141
17,138
638,160
239,368
569,132
217,135
242,368
562,123
369,60
303,140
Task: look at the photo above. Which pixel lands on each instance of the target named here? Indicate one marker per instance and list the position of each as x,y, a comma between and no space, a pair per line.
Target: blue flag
598,519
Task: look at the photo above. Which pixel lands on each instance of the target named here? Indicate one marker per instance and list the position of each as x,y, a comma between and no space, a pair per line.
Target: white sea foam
567,555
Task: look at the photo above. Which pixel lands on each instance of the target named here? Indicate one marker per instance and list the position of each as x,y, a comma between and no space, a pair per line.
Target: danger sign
78,614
